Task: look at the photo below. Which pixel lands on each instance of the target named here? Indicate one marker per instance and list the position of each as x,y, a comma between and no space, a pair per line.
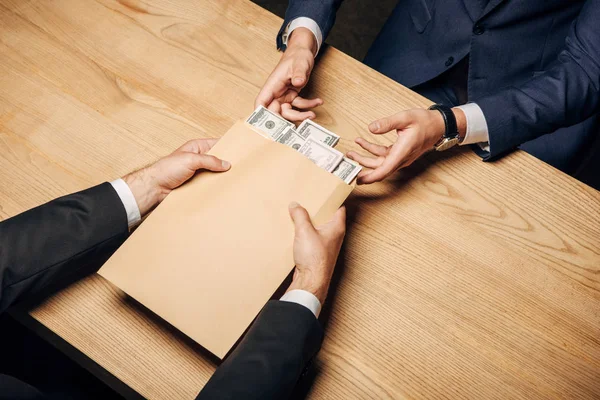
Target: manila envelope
216,249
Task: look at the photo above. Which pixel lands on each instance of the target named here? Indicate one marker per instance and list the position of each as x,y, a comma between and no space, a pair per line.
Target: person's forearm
519,114
271,358
146,192
566,94
70,236
75,234
286,335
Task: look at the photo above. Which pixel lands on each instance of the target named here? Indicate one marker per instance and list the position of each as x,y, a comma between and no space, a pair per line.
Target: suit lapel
474,8
490,7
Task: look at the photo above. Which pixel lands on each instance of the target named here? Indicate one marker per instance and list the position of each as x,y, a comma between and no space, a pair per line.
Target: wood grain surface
458,278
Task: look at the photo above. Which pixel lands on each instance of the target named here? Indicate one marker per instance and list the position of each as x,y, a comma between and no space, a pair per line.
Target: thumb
301,219
339,221
208,162
300,74
336,227
384,125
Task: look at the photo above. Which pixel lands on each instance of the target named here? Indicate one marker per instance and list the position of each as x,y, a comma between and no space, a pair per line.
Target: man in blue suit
505,74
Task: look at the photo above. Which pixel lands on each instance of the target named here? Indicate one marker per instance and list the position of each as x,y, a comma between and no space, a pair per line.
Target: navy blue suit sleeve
271,358
60,240
566,94
321,11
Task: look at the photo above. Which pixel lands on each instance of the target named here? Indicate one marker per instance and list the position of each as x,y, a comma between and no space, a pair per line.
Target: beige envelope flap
212,254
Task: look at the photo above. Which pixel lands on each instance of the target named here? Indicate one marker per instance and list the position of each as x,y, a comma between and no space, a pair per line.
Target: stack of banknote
309,139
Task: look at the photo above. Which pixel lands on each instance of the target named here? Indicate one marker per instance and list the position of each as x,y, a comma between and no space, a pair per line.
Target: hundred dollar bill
347,170
324,156
292,139
309,128
268,122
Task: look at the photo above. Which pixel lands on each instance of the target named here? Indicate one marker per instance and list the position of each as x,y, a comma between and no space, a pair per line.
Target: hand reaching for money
150,185
280,94
417,131
316,250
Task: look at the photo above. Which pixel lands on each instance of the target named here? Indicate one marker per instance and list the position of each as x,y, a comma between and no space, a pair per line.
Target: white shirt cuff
303,298
303,22
477,129
131,207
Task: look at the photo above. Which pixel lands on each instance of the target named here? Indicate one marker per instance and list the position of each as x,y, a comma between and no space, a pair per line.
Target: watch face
447,143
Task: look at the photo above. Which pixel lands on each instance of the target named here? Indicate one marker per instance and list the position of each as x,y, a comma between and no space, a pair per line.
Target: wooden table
459,279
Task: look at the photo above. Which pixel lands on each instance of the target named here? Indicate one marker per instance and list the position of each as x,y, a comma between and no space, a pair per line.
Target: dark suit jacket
534,64
74,235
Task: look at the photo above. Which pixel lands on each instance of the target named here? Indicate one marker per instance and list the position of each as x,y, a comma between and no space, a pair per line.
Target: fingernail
225,164
293,204
374,126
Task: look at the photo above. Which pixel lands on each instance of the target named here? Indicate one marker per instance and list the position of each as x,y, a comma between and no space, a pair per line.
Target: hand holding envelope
316,250
152,184
209,269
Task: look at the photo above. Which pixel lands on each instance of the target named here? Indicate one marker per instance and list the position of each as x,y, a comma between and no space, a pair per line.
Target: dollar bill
292,139
269,122
309,128
324,156
347,170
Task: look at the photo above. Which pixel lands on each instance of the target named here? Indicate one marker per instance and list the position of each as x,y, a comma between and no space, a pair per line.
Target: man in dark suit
72,236
518,73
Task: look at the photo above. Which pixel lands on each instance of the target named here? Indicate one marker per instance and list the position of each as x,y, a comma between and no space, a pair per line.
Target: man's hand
418,131
316,250
150,185
280,92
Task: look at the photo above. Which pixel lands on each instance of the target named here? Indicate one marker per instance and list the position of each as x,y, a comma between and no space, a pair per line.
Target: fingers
208,162
372,148
275,107
302,222
290,75
198,145
275,86
305,104
369,162
377,175
337,226
292,115
387,167
191,146
365,161
300,73
265,96
284,108
363,173
396,121
278,84
299,80
207,144
339,219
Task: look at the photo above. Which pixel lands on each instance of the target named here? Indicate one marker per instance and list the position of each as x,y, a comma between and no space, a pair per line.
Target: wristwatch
451,137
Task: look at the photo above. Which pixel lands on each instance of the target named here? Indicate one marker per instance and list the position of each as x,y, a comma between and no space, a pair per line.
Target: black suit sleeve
272,356
61,240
